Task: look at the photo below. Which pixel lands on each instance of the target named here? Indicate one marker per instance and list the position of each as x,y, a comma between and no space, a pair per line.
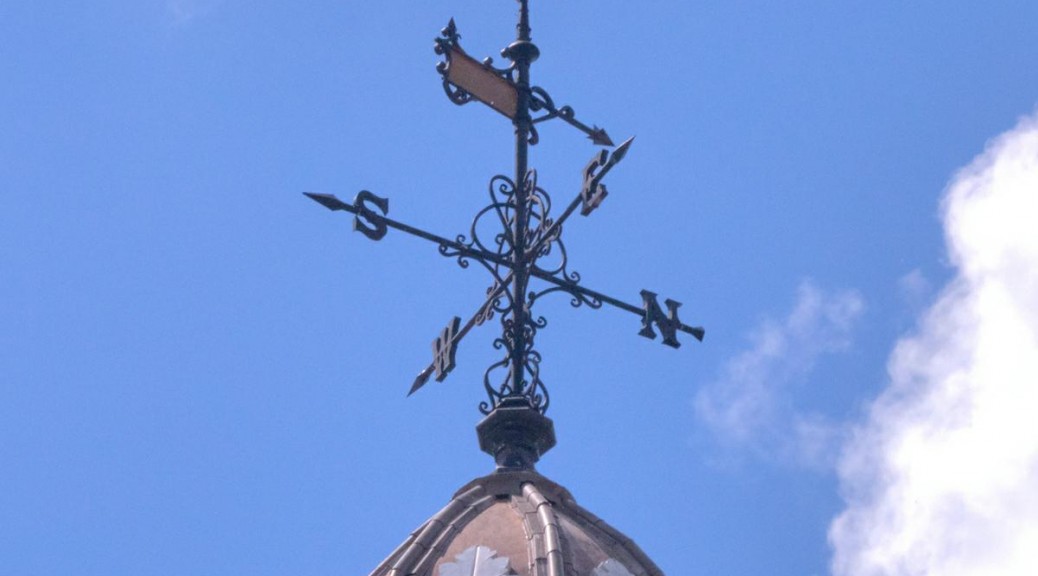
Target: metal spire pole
523,53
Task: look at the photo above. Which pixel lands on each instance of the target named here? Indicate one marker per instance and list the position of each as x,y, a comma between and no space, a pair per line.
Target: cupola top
516,523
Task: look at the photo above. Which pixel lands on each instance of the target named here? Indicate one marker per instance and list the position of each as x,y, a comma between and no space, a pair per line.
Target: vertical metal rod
521,54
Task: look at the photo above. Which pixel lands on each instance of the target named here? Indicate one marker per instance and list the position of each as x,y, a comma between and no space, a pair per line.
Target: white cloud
915,289
942,478
747,406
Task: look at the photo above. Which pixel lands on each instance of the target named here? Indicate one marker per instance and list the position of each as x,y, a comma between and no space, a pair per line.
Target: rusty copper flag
485,85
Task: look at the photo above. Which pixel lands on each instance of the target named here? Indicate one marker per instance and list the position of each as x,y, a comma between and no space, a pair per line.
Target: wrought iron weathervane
528,236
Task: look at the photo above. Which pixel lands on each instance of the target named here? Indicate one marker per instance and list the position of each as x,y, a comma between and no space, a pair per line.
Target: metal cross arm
546,235
591,193
446,344
650,310
374,225
540,100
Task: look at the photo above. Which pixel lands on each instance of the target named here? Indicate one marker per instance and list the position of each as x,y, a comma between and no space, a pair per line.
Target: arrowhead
600,138
420,381
329,201
621,150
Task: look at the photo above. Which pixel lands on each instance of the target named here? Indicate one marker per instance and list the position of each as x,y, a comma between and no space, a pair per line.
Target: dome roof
516,522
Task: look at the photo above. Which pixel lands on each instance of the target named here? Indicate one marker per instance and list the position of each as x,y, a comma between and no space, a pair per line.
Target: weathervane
528,234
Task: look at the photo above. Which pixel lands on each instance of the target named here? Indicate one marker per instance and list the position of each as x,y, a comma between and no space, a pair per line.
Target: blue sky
203,372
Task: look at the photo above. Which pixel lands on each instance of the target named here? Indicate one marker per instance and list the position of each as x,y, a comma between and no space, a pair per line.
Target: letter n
668,324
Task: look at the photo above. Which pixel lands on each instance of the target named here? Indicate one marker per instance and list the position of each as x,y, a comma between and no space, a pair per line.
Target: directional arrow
478,318
330,202
541,100
556,226
697,332
597,135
